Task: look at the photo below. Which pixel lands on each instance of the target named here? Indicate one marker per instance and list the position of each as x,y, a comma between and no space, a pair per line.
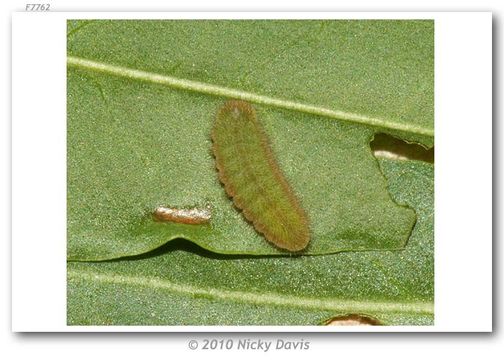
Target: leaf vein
216,90
270,299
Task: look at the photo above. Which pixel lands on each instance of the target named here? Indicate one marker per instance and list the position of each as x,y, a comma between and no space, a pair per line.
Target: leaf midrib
216,90
265,298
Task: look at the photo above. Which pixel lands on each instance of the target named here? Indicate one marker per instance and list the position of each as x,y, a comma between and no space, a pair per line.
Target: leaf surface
182,284
142,97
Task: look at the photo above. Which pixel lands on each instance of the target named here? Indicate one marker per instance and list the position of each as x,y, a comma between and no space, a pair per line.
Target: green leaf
182,284
142,96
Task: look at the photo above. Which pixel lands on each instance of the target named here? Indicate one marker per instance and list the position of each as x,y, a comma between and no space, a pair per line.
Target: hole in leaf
386,146
352,320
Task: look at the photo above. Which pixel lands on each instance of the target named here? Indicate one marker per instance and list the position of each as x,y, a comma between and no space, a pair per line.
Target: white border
463,195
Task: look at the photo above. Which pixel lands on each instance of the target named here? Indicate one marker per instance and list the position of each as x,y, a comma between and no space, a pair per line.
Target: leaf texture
182,284
142,97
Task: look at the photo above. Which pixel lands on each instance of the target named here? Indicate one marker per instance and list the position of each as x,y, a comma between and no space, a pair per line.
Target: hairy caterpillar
251,176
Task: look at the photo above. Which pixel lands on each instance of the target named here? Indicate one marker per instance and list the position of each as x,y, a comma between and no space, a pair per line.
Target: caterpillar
252,178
